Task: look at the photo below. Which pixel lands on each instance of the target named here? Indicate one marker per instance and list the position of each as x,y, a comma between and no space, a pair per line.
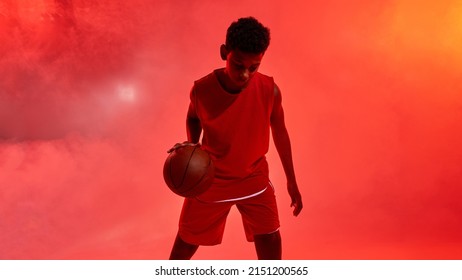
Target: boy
235,107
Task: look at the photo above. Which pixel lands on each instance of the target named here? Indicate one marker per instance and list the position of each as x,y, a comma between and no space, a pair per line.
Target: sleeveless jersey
236,133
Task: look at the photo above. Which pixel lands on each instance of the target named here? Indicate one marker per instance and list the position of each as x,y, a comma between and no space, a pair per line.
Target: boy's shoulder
264,77
212,77
210,82
206,83
207,78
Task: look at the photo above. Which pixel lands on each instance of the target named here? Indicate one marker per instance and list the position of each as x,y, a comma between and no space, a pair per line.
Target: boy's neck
224,81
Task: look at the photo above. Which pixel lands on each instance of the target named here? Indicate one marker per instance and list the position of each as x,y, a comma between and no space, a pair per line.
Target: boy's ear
224,52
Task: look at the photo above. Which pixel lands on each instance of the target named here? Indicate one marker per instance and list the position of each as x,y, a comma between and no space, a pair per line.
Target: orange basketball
189,171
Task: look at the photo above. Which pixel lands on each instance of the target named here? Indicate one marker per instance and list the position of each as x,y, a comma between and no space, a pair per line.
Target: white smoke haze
61,77
80,149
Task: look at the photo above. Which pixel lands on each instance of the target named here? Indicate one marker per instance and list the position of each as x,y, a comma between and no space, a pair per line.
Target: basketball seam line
187,166
199,181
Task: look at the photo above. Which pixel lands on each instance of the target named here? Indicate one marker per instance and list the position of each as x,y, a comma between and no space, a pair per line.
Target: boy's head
246,43
247,35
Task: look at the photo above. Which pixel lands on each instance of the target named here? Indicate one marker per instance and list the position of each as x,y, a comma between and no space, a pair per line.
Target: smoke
61,77
80,130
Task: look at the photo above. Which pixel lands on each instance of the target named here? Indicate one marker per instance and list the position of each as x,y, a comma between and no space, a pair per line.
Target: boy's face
240,67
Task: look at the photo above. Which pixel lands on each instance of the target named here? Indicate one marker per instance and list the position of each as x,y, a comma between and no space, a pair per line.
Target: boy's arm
282,142
193,125
193,128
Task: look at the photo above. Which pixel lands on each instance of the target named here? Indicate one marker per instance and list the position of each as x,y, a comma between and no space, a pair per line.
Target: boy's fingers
179,145
298,206
176,146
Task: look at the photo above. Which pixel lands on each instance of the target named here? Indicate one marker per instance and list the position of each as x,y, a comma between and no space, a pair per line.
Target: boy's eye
239,66
242,67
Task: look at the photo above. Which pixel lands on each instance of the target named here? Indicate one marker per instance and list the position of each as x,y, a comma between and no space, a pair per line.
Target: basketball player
235,107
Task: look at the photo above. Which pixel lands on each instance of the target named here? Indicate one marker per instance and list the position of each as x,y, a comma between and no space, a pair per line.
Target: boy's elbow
278,127
279,134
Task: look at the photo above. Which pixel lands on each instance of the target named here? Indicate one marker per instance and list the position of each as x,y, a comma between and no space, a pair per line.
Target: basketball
189,171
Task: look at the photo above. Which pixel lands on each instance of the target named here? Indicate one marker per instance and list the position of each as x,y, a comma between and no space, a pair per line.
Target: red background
94,92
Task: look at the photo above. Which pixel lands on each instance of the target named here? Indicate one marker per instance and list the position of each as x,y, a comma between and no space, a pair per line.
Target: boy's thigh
259,214
203,223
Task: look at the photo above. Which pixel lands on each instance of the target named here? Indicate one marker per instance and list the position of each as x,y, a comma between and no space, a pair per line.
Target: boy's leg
261,224
182,250
200,223
268,246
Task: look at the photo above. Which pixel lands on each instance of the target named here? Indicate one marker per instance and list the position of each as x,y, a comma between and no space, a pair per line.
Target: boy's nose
245,75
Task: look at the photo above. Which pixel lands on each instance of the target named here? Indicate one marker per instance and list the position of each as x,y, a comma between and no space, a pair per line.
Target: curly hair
248,35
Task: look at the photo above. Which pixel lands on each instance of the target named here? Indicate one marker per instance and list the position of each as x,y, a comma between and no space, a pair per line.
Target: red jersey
236,133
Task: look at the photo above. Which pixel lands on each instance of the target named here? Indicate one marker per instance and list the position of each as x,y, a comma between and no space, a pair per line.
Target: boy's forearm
283,147
193,129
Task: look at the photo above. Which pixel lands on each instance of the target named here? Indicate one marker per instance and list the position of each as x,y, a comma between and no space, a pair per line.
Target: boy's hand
179,145
296,198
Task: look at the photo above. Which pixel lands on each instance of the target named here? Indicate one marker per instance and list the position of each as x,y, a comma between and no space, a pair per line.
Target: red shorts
203,223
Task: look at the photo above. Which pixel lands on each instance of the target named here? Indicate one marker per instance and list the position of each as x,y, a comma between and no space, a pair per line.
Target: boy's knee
268,246
268,238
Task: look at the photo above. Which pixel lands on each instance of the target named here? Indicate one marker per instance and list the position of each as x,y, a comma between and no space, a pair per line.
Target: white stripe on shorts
244,197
